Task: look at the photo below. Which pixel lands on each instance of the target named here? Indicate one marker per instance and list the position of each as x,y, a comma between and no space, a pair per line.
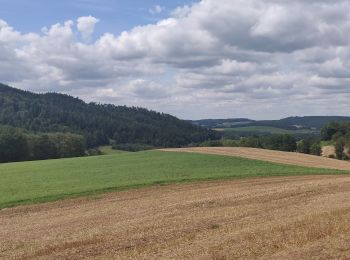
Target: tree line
17,145
283,142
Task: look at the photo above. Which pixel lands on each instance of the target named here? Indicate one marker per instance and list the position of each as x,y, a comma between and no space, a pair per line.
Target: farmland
290,158
42,181
304,217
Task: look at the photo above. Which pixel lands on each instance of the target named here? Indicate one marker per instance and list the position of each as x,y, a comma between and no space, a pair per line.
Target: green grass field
265,129
106,150
41,181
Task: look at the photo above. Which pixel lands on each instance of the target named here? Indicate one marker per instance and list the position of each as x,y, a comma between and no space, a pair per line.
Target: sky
193,59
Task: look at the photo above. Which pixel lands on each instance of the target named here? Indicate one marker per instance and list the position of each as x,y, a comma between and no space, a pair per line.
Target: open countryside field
305,217
41,181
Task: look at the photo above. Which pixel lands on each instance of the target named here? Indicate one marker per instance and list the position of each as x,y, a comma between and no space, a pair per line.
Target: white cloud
157,9
216,58
86,26
181,11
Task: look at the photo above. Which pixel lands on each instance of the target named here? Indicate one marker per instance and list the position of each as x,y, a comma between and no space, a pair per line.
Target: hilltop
97,123
288,123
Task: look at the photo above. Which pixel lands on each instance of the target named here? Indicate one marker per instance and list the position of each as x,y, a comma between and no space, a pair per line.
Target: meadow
42,181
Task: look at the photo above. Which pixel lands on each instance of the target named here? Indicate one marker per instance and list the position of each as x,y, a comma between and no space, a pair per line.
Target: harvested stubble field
290,158
299,217
305,217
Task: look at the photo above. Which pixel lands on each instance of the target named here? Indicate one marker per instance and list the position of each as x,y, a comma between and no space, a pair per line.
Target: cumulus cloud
86,26
215,58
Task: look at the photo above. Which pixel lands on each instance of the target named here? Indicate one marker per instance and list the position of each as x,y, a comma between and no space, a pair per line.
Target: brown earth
269,155
268,218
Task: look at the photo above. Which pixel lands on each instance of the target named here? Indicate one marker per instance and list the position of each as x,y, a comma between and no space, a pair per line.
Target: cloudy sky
194,59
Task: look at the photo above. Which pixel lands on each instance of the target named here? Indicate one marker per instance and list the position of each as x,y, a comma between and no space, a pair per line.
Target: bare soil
267,218
269,155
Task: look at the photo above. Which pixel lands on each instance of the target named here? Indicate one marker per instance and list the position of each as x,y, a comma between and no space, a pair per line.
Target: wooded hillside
98,123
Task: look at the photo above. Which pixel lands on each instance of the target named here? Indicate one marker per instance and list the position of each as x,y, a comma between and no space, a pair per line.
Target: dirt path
267,218
268,155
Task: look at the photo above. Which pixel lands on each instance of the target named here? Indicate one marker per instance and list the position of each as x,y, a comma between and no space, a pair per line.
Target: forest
98,123
19,145
53,117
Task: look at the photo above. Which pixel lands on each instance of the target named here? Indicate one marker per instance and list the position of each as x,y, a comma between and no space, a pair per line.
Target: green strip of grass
42,181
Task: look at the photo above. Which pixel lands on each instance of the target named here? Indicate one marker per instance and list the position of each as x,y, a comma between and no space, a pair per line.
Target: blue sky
115,15
190,58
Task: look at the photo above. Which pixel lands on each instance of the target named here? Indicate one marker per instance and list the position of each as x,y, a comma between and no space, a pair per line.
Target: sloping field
271,156
306,217
42,181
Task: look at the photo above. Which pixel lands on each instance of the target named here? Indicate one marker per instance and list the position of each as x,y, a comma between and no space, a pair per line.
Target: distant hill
225,123
98,123
306,122
289,123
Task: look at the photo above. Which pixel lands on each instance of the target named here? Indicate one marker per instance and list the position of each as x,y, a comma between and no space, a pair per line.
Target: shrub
229,143
251,141
339,149
316,149
93,152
